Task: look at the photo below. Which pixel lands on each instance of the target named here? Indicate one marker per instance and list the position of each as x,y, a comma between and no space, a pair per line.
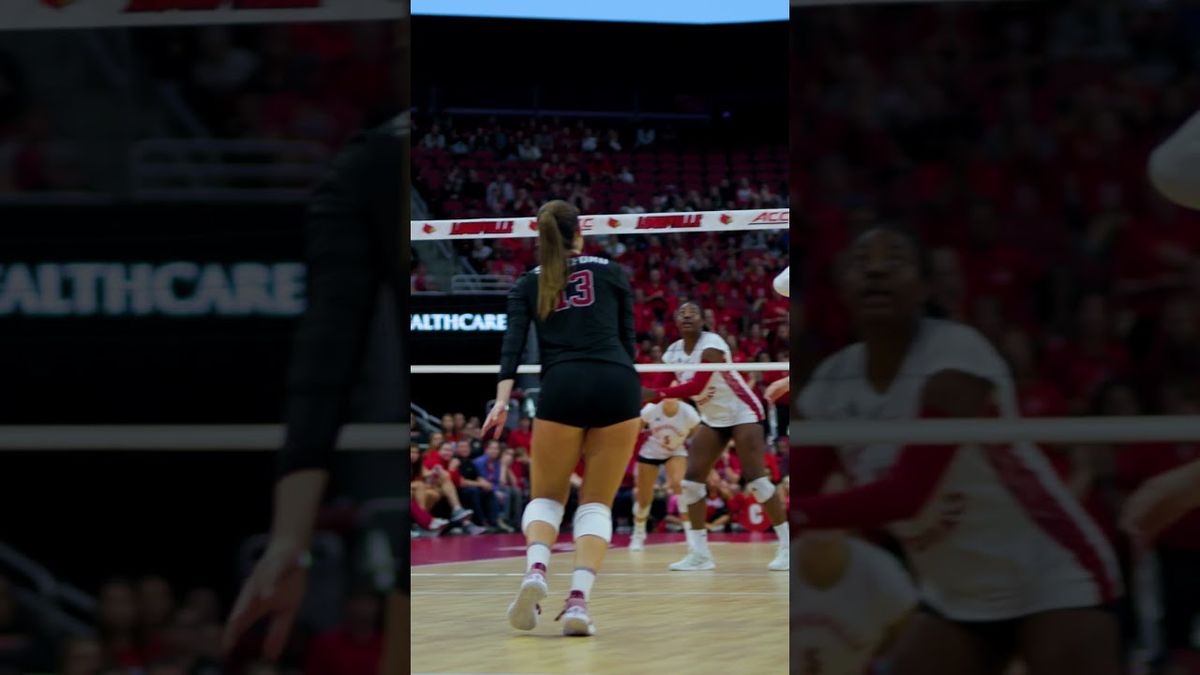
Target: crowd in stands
149,625
1014,140
487,167
310,82
463,483
319,82
143,627
32,157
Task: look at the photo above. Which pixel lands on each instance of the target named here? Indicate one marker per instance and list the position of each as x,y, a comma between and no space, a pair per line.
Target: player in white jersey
850,599
668,424
1009,562
728,409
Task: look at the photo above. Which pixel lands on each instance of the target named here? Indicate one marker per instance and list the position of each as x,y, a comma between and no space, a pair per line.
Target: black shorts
657,462
589,394
1000,637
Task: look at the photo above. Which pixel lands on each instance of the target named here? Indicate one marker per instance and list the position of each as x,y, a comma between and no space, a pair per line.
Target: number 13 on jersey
579,291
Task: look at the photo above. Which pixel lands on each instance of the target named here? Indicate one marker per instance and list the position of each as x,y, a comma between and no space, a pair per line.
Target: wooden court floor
730,621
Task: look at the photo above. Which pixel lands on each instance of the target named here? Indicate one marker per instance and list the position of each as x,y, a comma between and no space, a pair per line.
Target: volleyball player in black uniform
353,250
588,407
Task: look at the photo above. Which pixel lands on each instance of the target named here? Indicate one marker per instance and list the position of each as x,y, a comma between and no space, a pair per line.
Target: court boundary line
553,552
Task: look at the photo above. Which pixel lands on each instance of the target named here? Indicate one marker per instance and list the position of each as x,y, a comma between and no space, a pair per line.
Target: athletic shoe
638,541
782,561
694,562
460,514
524,610
576,622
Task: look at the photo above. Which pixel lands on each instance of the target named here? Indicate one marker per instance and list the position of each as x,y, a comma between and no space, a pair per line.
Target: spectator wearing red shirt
119,626
441,481
1094,356
1036,395
655,380
522,435
644,315
437,460
449,432
775,311
754,343
655,286
353,648
728,466
995,268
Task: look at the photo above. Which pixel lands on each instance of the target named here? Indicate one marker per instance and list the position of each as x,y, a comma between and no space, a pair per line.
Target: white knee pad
762,488
593,519
691,492
642,512
543,510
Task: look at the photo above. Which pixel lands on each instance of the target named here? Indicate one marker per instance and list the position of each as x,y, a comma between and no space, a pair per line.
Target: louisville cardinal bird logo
613,222
429,228
533,225
726,219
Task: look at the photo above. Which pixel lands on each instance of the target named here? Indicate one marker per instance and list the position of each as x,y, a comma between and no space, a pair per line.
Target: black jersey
593,320
353,247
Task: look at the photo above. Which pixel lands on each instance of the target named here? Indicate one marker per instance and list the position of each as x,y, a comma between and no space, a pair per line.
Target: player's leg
675,468
644,480
932,645
606,453
556,450
457,512
1071,641
751,443
707,444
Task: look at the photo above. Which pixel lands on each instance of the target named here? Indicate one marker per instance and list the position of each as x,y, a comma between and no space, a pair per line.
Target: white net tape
623,223
1145,429
234,437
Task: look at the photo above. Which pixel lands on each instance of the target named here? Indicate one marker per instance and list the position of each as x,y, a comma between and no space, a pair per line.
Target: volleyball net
683,229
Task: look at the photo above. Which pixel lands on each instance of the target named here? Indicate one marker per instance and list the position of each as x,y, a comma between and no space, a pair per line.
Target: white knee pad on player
762,488
543,510
691,492
593,519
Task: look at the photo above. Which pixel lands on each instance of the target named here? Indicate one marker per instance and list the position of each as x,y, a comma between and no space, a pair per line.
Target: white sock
781,531
640,516
582,580
537,553
698,541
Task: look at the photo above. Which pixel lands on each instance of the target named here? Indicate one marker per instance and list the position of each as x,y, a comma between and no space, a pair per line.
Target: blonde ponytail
552,252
